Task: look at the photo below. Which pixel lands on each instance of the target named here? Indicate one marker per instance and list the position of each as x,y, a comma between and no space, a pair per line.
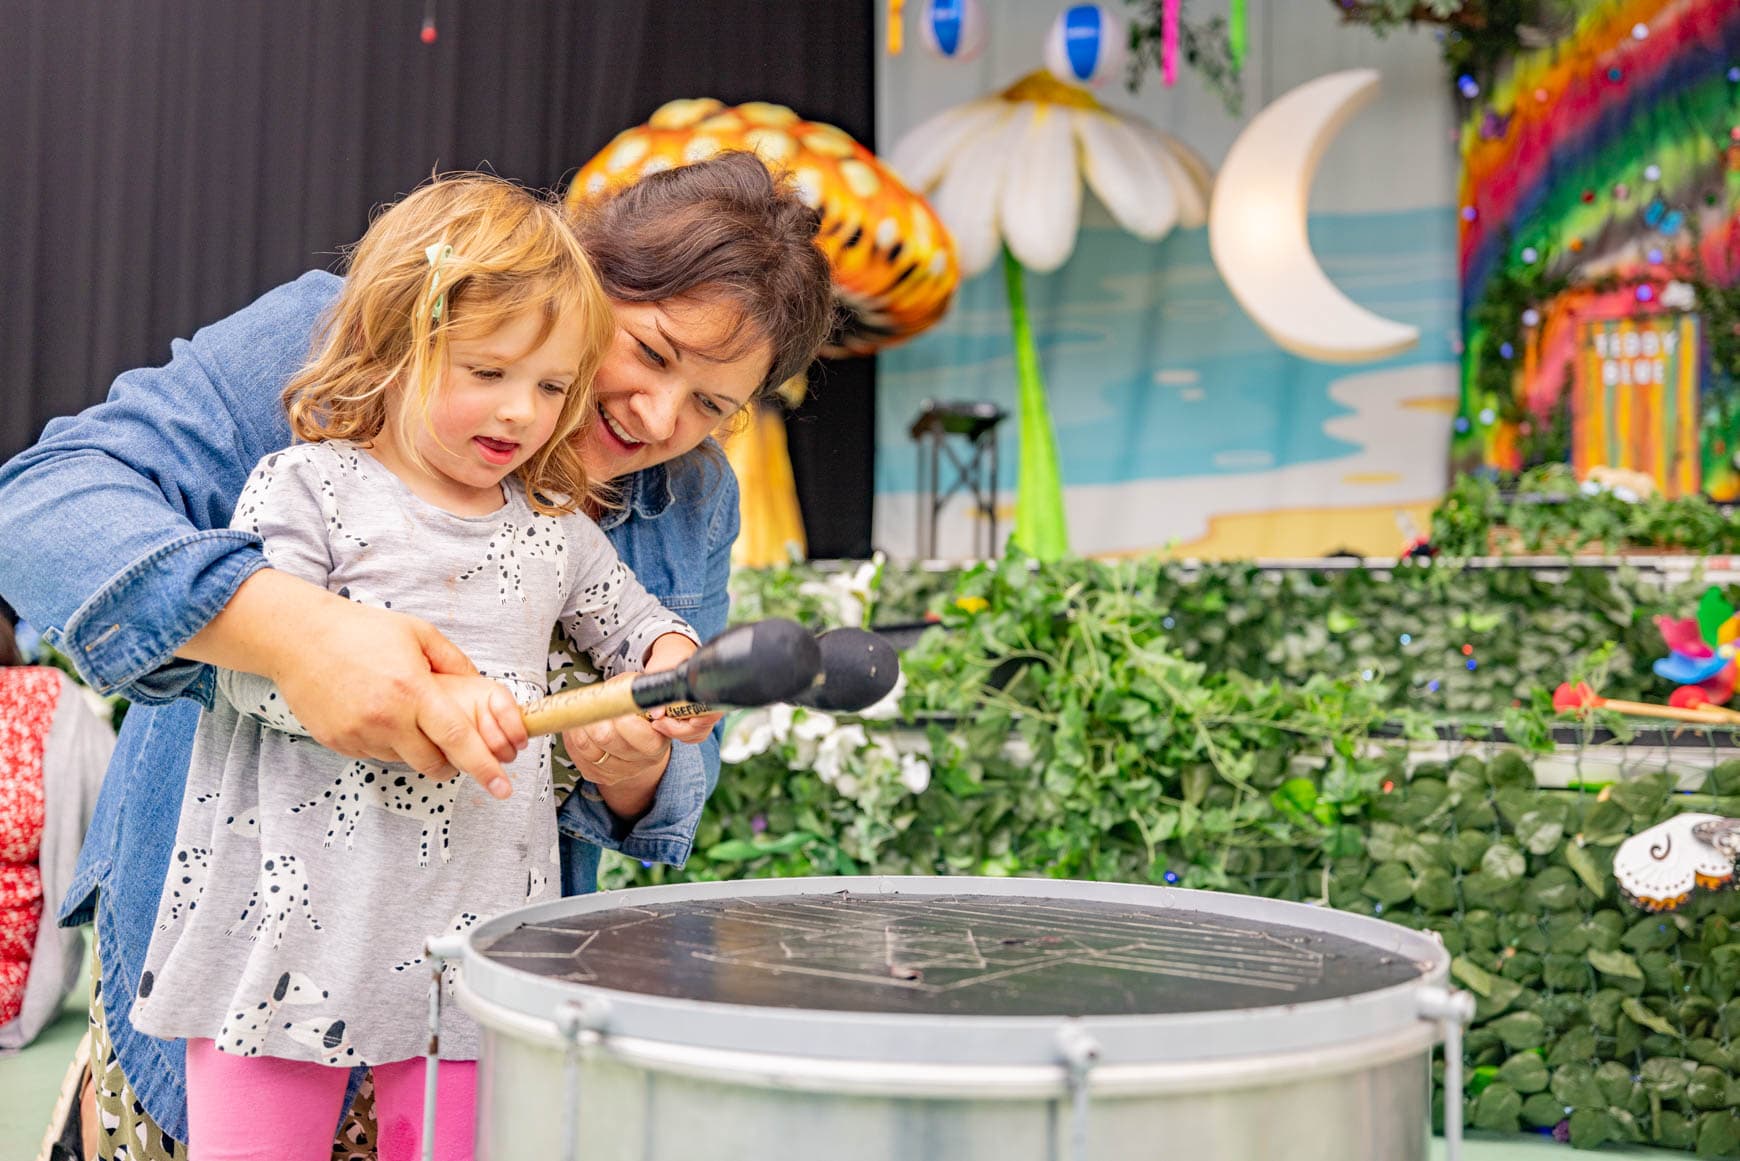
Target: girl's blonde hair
498,250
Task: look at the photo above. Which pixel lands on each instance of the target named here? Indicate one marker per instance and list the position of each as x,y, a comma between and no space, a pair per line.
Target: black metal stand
974,464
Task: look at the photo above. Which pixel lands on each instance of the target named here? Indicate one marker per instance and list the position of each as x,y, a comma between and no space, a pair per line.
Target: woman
720,294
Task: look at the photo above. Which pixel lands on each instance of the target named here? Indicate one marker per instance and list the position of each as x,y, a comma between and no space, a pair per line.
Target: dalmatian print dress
303,884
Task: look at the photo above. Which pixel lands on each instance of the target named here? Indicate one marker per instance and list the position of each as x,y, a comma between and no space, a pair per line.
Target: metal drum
903,1019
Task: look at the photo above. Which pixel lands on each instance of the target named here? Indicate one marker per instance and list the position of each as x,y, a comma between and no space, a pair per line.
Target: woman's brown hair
722,231
456,259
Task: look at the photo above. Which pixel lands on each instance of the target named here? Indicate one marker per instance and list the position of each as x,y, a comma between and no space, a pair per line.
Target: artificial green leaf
1583,863
1718,1135
1724,779
1673,1130
1615,1081
1591,1128
1576,1046
1707,1088
1503,862
1615,963
1666,1076
1526,1072
1642,1015
733,851
1389,883
1554,889
1520,1030
1467,848
1473,977
1543,1110
1498,1108
1539,832
1575,1085
1606,823
1435,890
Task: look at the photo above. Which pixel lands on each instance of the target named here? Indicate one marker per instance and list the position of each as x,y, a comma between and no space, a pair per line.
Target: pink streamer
1169,42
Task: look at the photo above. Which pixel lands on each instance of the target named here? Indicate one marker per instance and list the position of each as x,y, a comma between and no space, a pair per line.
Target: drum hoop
910,1040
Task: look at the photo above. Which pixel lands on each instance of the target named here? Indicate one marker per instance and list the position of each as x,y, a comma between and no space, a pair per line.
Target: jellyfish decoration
954,29
1701,652
892,260
1087,45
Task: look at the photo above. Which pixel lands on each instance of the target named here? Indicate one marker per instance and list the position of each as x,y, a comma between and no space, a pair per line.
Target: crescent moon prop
1256,227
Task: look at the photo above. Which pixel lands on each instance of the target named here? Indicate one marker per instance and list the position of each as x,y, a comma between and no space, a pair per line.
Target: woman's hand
626,758
360,679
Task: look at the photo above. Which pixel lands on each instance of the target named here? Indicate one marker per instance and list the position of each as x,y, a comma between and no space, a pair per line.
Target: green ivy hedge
1412,631
1135,723
1545,510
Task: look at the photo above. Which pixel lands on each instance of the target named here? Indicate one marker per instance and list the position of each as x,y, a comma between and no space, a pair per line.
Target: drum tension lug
577,1021
1081,1052
1452,1010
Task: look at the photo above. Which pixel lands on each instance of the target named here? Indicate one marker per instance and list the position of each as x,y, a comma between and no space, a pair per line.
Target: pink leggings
260,1108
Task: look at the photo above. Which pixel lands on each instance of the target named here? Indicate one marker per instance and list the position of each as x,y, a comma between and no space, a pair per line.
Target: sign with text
1634,401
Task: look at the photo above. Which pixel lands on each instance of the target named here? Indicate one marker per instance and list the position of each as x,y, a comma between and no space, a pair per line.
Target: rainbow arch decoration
1600,178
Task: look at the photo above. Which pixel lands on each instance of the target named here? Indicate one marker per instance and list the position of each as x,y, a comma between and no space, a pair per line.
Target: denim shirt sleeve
148,479
667,831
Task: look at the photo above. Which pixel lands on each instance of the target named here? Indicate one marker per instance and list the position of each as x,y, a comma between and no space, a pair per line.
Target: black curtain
166,161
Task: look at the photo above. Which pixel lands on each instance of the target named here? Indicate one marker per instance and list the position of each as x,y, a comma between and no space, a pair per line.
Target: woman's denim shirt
116,527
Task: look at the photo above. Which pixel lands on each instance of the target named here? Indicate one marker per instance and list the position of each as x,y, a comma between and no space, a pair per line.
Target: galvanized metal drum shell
629,1113
669,1078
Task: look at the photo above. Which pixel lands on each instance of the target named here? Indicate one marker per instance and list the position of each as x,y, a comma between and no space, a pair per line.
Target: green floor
30,1080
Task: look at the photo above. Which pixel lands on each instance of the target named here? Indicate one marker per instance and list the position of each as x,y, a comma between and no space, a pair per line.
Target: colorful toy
1701,652
1569,698
1658,868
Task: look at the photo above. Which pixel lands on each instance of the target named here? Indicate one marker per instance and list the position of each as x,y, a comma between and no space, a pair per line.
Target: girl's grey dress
303,884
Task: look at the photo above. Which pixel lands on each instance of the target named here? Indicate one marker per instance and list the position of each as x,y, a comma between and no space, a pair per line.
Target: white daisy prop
1004,173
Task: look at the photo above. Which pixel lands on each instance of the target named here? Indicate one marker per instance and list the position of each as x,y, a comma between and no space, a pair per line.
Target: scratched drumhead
966,955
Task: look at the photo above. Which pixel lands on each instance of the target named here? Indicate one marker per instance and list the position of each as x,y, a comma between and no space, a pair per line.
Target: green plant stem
1039,522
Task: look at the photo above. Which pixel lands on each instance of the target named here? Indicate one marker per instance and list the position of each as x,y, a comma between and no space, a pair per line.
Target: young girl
439,480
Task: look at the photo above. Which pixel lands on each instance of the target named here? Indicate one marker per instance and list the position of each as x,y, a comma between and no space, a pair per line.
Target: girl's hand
491,708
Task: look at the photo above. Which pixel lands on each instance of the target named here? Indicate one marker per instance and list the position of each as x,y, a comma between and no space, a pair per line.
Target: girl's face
498,402
660,391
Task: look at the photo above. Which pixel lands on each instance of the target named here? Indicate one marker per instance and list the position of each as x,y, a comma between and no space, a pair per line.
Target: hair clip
437,253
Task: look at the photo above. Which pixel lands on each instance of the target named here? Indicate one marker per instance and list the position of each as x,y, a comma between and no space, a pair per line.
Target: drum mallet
750,665
858,670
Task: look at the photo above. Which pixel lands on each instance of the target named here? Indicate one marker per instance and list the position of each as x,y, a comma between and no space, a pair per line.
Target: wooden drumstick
750,665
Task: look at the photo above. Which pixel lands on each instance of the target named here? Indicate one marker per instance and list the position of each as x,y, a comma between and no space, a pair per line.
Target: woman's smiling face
664,386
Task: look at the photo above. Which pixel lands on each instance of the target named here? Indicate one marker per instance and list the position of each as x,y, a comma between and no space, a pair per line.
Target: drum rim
826,1034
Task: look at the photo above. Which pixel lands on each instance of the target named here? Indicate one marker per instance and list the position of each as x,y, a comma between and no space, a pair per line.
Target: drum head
951,955
952,971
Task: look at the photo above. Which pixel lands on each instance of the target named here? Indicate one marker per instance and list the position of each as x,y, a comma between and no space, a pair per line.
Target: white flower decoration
1015,160
914,773
835,750
851,592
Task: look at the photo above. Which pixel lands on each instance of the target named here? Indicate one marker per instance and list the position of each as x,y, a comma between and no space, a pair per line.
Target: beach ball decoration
893,262
1701,652
954,29
1087,45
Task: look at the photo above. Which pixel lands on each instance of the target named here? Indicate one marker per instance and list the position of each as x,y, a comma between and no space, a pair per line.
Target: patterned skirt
127,1132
